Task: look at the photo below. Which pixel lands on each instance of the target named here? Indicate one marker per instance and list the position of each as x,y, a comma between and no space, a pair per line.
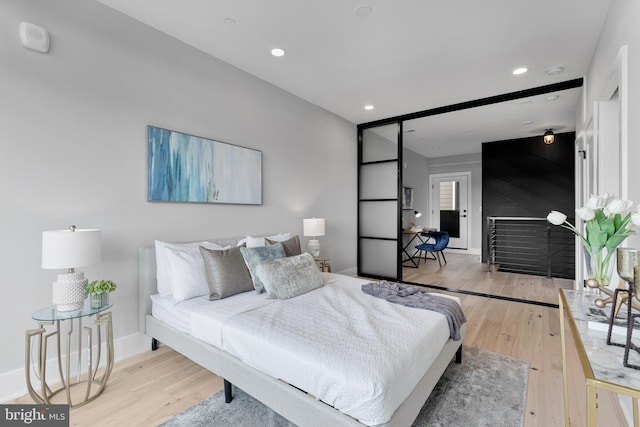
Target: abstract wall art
187,168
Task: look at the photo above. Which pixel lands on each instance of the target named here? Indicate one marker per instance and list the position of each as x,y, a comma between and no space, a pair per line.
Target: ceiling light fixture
552,98
520,70
369,107
277,52
528,122
554,71
549,137
229,21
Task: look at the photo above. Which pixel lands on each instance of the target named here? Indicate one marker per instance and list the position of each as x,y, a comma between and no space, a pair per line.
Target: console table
601,363
93,384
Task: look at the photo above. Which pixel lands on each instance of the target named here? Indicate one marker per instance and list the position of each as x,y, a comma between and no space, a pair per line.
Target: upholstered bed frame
290,402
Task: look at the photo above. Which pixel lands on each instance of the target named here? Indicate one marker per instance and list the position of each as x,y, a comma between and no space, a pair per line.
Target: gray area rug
487,389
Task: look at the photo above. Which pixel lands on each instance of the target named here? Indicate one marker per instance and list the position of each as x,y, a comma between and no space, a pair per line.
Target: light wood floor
466,272
150,388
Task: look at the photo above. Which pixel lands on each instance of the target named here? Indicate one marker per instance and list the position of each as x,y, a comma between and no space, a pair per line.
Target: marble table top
605,360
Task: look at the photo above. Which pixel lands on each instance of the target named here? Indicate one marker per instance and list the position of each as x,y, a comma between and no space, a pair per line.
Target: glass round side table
84,374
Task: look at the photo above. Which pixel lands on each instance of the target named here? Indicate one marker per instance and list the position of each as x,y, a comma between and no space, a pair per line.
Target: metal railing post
548,249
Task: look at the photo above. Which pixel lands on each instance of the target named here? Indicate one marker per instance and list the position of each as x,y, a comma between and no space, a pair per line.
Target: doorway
449,203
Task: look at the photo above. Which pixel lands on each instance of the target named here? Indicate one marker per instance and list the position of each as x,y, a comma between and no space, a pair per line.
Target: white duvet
359,354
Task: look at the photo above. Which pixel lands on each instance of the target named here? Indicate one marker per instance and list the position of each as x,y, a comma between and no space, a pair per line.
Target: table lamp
70,249
313,227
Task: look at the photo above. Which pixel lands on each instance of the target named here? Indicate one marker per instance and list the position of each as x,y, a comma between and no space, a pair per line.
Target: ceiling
402,56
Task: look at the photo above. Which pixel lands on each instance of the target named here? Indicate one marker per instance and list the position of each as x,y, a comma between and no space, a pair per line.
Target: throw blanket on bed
410,296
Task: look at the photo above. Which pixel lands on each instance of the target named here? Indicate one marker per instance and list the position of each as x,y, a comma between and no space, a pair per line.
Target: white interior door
450,207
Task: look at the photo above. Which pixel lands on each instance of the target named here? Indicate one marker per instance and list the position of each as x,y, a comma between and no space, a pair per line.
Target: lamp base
69,291
314,247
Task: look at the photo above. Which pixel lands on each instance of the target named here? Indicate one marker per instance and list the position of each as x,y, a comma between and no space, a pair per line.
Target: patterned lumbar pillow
289,277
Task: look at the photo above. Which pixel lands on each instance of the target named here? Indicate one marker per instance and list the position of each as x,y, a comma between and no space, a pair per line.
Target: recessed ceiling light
554,71
364,10
276,51
369,107
552,98
229,21
523,101
528,122
520,70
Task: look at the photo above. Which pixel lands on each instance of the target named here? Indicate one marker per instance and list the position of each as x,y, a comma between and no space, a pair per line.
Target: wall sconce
549,137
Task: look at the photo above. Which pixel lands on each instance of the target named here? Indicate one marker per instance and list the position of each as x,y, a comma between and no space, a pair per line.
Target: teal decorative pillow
289,277
254,256
226,272
291,246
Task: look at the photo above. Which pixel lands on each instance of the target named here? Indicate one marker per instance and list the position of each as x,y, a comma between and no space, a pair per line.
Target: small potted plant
98,292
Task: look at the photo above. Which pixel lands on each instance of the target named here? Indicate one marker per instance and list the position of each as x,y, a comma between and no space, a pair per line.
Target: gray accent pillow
289,277
291,246
254,256
226,272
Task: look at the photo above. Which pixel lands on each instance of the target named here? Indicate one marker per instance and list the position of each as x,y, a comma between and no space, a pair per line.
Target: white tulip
599,202
556,218
586,214
617,206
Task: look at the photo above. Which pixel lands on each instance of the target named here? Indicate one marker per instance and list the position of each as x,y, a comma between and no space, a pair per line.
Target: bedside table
86,378
323,264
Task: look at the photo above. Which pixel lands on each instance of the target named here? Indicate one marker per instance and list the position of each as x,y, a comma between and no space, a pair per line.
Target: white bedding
177,315
207,321
357,353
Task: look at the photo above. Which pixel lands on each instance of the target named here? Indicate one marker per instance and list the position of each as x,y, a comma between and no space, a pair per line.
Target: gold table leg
592,402
46,393
565,376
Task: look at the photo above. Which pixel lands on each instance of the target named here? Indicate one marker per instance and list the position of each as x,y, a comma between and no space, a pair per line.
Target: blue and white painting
186,168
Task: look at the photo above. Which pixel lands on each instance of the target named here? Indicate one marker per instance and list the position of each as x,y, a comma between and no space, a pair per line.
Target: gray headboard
147,285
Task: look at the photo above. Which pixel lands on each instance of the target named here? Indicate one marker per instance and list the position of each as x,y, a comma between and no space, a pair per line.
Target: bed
191,335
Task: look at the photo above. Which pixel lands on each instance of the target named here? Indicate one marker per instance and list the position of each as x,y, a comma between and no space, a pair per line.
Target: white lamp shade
70,249
313,227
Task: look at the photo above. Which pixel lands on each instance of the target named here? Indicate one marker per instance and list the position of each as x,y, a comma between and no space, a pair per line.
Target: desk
93,384
414,235
601,363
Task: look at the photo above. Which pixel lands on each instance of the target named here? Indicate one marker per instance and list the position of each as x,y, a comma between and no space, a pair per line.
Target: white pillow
280,237
163,273
256,242
188,278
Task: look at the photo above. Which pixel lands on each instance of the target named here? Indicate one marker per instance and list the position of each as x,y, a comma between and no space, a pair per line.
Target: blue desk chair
440,242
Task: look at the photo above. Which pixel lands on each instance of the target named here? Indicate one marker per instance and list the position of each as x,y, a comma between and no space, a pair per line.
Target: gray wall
416,176
74,151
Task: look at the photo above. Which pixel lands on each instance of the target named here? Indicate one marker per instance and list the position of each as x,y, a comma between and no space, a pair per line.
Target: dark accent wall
527,178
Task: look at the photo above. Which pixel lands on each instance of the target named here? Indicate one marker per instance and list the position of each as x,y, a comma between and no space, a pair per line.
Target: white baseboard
13,383
470,251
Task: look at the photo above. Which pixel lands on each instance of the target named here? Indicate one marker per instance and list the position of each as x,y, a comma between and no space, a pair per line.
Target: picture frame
189,169
407,198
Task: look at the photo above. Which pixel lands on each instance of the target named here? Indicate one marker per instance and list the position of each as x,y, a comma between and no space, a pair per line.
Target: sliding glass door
379,183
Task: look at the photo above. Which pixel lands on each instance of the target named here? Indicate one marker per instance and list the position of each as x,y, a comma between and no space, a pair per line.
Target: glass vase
98,300
599,266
